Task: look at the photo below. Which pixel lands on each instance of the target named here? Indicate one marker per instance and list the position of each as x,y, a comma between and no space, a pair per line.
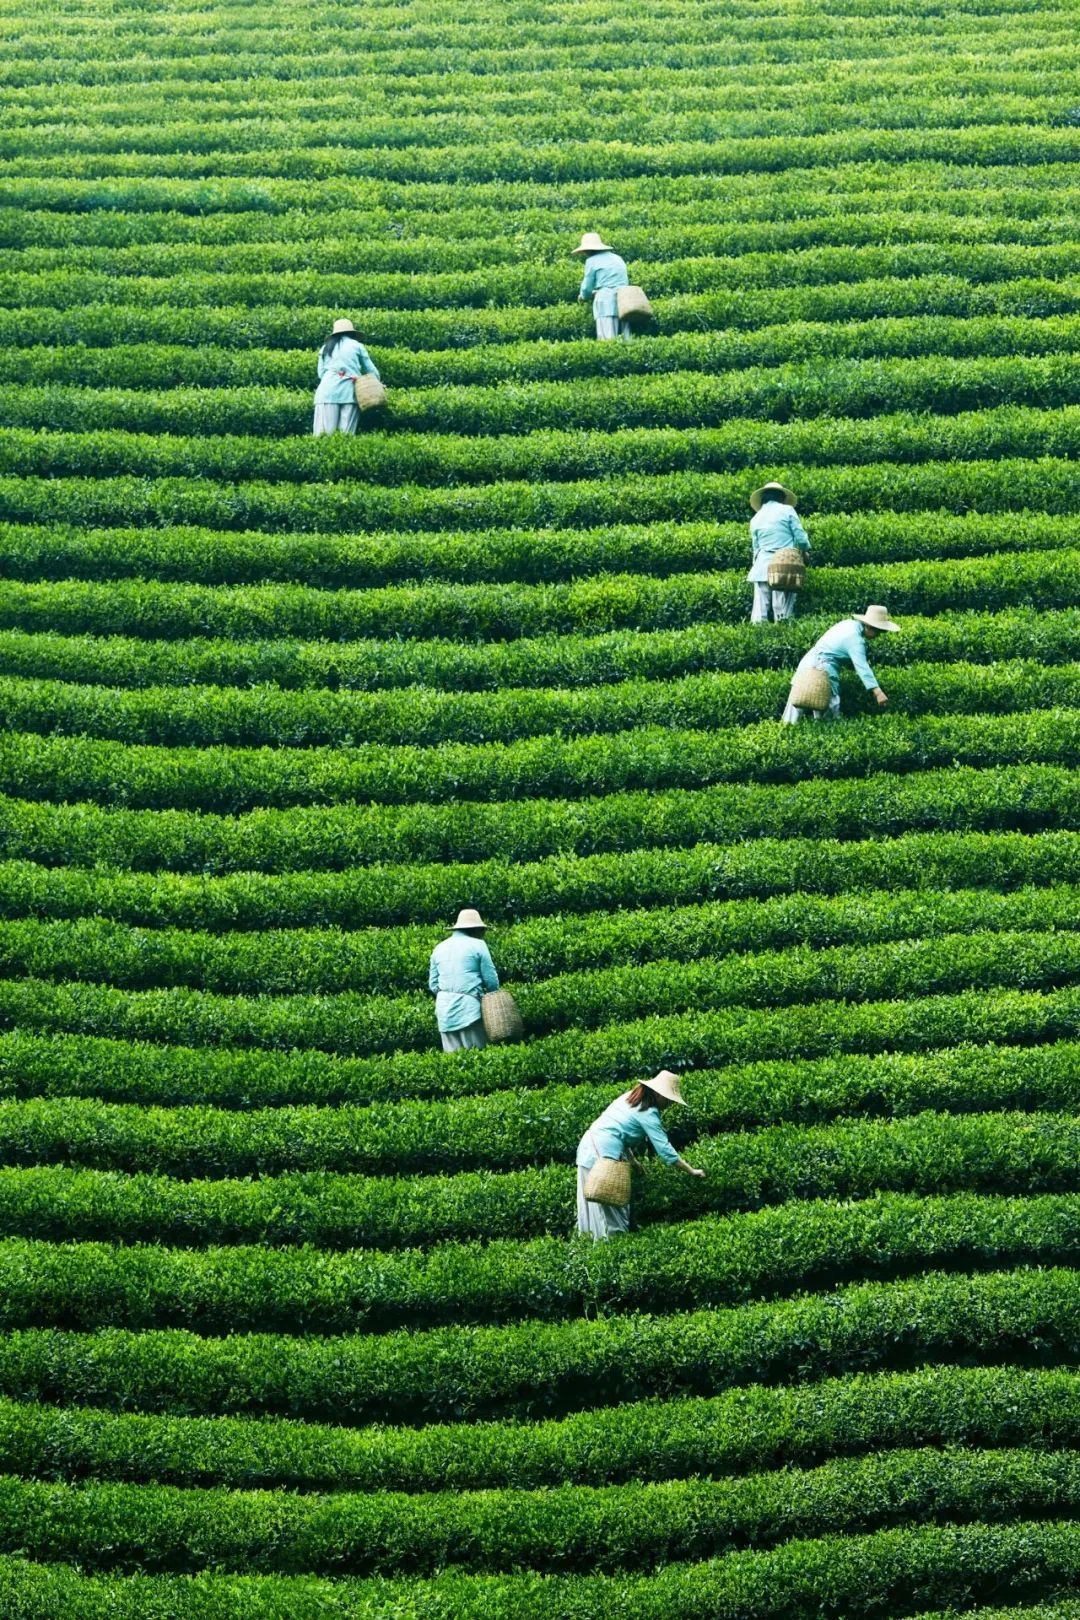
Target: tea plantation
295,1324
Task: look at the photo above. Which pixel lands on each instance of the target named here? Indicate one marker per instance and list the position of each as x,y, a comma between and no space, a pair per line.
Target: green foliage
292,1325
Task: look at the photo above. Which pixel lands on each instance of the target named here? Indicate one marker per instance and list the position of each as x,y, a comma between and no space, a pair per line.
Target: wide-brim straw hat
469,919
877,617
591,243
777,491
344,325
666,1085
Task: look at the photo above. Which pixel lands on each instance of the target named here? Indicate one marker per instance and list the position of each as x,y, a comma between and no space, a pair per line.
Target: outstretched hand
880,697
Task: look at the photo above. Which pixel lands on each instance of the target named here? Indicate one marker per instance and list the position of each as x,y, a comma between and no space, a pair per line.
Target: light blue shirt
337,375
775,527
620,1127
461,970
604,274
845,643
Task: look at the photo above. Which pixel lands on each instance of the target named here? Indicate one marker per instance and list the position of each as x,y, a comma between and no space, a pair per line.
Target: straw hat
877,617
344,325
469,919
591,243
772,492
666,1085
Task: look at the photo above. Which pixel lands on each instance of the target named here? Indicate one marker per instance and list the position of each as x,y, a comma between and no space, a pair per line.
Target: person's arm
433,977
861,665
798,533
366,363
323,363
488,976
586,285
755,543
661,1143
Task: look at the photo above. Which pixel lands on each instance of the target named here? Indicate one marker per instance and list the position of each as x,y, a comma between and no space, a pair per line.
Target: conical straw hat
469,919
666,1085
591,243
877,617
772,491
344,325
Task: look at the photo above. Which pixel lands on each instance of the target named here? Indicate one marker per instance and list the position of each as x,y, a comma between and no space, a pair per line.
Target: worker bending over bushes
775,530
342,360
815,689
604,274
605,1153
460,972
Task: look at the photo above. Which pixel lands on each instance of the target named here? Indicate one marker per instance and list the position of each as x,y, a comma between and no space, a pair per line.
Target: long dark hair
644,1097
334,342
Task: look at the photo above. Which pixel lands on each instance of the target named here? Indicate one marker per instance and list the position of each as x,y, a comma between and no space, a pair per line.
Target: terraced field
293,1321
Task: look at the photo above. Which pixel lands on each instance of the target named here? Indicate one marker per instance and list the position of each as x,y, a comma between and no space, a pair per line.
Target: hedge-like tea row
865,1577
522,285
140,244
39,1064
905,337
202,556
352,1025
458,1374
387,960
853,389
556,161
157,1527
509,891
1014,798
501,612
711,1261
930,1154
547,768
744,1430
398,466
569,661
500,1130
284,326
224,716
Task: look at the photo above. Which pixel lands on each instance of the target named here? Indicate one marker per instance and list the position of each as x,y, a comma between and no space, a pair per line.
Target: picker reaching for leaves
604,274
605,1151
342,359
461,971
774,530
815,690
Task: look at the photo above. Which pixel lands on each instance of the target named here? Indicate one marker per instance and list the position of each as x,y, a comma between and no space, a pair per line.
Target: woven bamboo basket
787,570
369,391
633,305
608,1182
810,689
502,1021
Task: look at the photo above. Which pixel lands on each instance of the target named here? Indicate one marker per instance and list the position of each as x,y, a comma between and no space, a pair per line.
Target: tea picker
349,382
780,550
460,975
606,1152
815,688
616,304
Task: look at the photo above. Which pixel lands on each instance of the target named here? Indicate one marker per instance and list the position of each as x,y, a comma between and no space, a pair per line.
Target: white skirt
601,1220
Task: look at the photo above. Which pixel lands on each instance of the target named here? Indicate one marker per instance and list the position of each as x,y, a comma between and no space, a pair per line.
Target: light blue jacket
620,1127
845,643
337,375
604,274
775,527
461,970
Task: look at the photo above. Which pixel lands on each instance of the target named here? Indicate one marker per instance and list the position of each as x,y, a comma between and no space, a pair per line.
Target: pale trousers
336,419
781,602
791,715
610,326
459,1040
601,1220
